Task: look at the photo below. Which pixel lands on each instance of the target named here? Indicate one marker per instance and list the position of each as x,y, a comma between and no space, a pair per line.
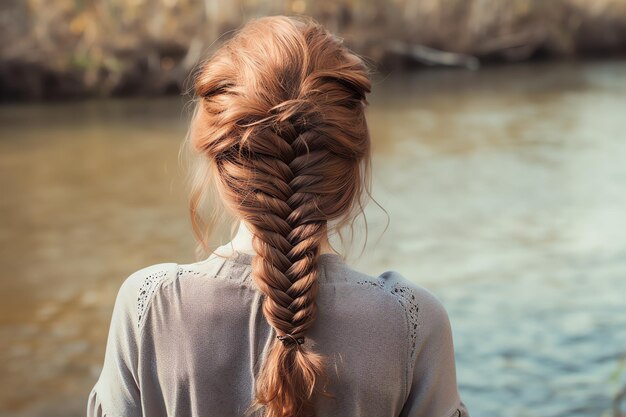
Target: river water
506,195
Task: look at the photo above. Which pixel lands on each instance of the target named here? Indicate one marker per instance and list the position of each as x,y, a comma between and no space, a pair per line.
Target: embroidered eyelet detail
146,290
406,297
377,283
186,271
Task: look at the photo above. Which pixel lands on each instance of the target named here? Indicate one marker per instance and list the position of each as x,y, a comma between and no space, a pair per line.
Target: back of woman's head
280,118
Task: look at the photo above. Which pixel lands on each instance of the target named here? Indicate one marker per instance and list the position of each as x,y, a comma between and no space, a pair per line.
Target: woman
275,323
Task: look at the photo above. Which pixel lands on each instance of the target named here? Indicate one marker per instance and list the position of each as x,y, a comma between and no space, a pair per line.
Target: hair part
281,134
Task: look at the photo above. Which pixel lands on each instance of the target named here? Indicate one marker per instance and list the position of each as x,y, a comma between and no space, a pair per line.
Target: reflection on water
505,191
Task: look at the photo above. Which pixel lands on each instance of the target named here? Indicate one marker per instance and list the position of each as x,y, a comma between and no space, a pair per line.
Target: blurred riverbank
68,49
505,191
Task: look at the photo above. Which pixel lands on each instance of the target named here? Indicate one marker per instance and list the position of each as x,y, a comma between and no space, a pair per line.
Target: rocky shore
69,49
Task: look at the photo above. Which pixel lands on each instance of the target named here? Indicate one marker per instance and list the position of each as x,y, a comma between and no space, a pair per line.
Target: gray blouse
187,340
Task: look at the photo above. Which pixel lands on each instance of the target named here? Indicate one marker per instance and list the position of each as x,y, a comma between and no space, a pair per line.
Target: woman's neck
242,242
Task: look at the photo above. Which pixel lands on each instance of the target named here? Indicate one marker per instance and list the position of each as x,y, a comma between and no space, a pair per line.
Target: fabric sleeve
116,392
432,385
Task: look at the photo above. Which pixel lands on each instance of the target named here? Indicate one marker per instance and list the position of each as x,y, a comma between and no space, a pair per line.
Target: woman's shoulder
145,278
407,290
144,284
424,312
138,288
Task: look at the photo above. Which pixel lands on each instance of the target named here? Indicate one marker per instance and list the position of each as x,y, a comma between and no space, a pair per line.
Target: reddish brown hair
280,119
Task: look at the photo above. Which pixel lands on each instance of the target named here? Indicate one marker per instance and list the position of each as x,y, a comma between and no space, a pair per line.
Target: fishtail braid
281,119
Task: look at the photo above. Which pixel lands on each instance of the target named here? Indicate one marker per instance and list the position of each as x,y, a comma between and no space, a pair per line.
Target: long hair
280,121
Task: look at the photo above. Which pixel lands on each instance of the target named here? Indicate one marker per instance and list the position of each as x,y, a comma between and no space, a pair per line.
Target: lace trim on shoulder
186,270
406,297
148,286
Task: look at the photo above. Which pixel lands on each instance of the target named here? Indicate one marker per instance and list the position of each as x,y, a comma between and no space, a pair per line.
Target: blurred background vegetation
499,154
69,48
